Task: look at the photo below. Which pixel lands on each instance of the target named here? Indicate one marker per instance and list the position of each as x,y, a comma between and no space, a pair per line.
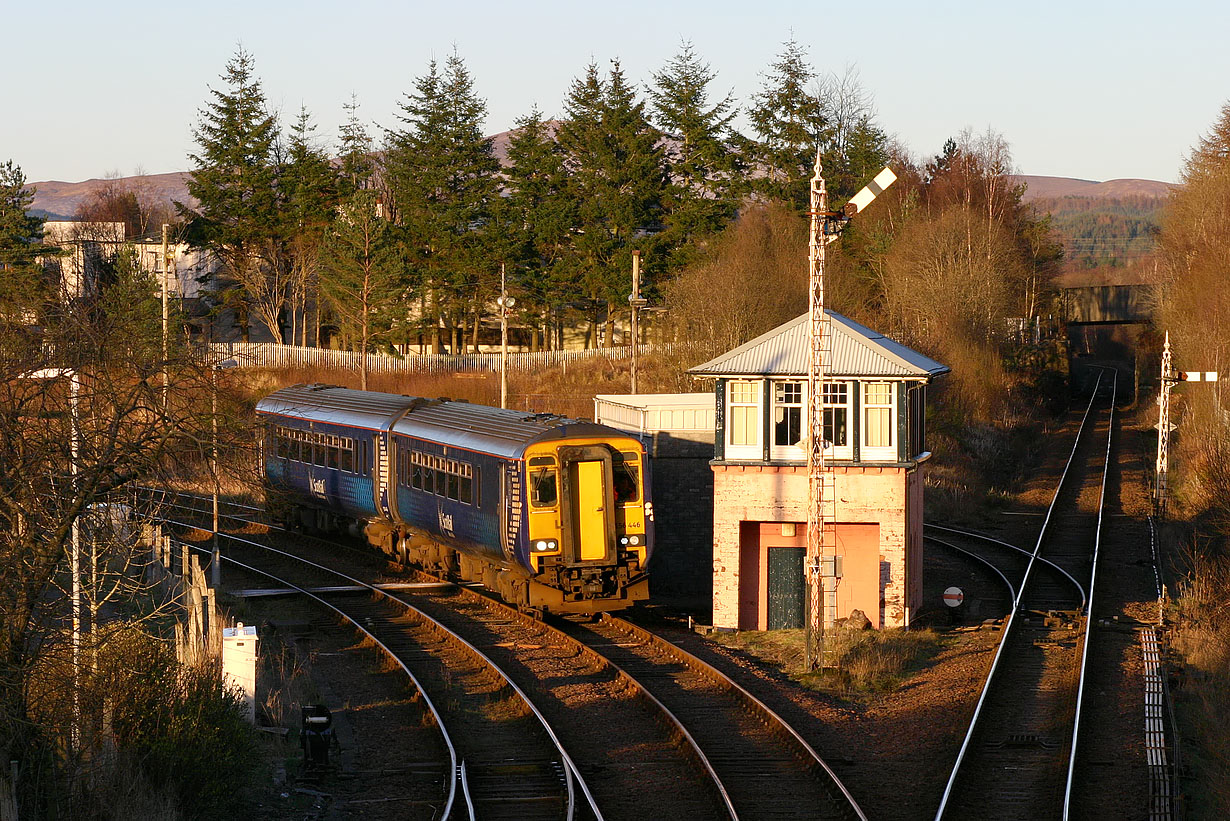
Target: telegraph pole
166,314
637,303
822,565
505,302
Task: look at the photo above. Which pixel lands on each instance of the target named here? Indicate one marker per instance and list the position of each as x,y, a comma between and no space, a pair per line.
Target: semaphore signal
1170,378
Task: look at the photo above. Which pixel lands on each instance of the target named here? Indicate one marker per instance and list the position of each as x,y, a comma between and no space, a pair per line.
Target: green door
786,587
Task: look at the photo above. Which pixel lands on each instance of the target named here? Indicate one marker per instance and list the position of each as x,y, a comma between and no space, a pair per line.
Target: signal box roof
856,351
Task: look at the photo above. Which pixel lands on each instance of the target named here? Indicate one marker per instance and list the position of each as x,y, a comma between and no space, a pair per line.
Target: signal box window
878,421
743,419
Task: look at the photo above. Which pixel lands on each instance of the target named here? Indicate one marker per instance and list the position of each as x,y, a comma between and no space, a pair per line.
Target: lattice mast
821,598
1163,430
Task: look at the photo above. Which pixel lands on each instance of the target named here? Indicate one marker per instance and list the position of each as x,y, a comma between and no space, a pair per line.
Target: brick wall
778,493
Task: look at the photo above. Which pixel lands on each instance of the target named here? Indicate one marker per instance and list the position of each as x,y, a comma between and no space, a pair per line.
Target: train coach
553,513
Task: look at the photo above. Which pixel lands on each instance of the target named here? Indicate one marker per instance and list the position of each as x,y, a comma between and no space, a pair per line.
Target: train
552,513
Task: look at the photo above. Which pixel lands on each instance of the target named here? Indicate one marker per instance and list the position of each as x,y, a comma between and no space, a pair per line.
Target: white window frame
796,452
882,452
845,451
754,450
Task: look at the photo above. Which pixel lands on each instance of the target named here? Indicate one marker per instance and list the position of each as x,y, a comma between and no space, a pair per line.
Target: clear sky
1095,90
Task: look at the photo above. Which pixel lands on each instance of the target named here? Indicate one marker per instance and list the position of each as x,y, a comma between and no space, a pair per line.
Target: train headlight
634,540
623,540
540,545
545,545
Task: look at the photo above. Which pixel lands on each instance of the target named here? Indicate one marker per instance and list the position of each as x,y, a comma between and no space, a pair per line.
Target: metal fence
272,355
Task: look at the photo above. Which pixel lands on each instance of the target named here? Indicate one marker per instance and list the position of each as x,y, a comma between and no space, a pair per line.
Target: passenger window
466,490
542,488
454,486
318,454
346,462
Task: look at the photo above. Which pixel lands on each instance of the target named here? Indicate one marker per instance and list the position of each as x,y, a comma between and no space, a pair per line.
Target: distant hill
1038,187
62,199
1108,229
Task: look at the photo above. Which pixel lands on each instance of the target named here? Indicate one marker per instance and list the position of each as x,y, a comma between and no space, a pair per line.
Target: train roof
464,425
337,406
492,430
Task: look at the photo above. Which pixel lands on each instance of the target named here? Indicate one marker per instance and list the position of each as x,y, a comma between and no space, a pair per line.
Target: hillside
55,199
1038,187
1107,228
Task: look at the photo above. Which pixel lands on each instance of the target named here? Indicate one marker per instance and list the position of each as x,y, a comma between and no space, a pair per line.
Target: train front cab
589,536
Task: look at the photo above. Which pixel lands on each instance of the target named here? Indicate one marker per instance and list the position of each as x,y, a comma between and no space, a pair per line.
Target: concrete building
875,399
677,431
88,247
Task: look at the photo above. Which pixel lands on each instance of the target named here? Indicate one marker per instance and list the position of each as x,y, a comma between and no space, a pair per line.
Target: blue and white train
553,513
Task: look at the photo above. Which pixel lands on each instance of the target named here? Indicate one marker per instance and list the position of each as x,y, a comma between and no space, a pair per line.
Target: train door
588,505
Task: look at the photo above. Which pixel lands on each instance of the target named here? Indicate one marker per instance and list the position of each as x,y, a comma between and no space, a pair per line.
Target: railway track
763,762
648,731
1019,756
503,759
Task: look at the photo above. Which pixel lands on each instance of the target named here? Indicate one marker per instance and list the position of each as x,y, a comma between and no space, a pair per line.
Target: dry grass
566,389
1202,640
867,662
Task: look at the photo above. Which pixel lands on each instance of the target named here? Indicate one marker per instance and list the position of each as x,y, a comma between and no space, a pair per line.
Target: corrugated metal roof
456,424
857,351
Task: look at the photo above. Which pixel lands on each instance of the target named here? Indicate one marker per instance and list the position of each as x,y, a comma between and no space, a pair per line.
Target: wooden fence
272,355
179,577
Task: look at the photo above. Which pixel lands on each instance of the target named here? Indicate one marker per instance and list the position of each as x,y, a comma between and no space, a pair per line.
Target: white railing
272,355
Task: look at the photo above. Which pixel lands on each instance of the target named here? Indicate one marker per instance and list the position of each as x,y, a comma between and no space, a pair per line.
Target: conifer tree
362,271
308,187
618,180
444,178
791,125
234,182
538,214
21,279
702,167
355,150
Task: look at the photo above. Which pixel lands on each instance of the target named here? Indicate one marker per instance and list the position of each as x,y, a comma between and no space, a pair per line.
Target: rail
1093,578
752,702
571,772
973,534
1012,618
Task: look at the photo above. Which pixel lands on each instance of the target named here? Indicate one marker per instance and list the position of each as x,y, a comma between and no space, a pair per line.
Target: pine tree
355,150
21,277
308,188
234,182
618,180
444,178
791,125
363,269
703,169
537,215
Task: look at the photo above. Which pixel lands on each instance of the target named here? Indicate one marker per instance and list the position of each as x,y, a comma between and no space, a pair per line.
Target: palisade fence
273,355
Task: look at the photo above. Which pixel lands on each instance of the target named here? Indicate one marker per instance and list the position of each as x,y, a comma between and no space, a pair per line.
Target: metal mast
1163,430
820,598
